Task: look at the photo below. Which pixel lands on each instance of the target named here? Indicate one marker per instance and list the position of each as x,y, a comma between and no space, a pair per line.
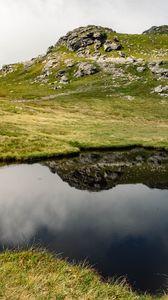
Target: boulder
116,39
85,68
64,79
159,71
61,73
161,89
112,46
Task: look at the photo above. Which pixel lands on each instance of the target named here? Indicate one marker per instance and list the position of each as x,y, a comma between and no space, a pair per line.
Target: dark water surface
122,231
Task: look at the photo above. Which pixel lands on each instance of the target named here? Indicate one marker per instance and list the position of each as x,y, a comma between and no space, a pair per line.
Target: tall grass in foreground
39,275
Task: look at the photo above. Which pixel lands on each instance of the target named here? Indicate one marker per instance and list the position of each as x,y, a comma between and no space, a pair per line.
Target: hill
93,88
157,30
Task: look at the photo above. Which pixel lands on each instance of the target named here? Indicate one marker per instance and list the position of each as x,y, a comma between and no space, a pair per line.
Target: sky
29,27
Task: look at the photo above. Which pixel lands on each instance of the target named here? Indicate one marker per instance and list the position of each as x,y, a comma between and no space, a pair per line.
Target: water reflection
122,231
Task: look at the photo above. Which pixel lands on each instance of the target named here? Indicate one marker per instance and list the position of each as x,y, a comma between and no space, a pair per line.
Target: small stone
122,54
61,73
141,69
158,89
64,79
49,50
116,39
97,45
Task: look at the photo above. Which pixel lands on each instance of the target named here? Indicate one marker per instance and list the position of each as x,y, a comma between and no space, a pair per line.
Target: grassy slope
90,112
37,275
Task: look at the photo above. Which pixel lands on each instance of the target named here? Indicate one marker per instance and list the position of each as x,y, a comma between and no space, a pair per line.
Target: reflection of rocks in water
96,171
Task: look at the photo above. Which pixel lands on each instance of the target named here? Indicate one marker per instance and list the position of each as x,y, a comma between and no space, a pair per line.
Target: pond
99,208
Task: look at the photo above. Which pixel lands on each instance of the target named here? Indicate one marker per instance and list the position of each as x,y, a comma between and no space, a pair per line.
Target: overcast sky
29,27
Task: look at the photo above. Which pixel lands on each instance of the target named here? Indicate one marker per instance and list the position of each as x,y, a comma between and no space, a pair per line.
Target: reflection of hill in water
97,171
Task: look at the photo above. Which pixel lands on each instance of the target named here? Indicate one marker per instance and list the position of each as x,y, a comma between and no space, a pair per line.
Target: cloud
28,27
37,199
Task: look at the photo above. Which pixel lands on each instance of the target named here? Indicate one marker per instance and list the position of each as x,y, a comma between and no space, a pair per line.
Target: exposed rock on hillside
162,90
6,69
79,39
110,46
159,69
85,68
157,30
117,59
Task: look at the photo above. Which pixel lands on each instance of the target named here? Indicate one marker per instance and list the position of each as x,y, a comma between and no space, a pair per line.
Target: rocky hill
157,30
94,88
95,52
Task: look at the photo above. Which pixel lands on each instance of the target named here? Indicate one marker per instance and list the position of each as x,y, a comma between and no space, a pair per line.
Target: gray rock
97,45
7,69
49,64
100,36
122,54
83,37
49,50
83,52
152,64
64,79
116,39
46,73
61,73
163,29
69,63
159,71
78,42
110,68
141,69
161,89
158,89
112,46
85,68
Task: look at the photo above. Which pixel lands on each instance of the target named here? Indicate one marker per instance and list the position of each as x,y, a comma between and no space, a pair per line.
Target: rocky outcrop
88,50
79,39
159,69
6,69
85,68
83,37
157,30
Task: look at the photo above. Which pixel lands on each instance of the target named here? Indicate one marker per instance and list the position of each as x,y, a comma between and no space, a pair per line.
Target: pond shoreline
33,158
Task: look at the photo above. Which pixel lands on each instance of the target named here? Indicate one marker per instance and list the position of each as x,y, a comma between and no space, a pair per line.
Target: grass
90,113
38,275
